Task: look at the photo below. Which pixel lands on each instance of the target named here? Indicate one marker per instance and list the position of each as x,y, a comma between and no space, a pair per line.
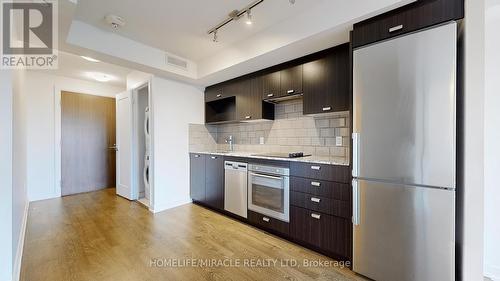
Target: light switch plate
338,141
261,140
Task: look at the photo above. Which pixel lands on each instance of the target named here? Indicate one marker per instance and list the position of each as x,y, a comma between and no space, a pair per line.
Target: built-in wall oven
269,191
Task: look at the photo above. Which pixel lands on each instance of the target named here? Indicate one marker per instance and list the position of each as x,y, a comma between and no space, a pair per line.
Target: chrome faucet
230,141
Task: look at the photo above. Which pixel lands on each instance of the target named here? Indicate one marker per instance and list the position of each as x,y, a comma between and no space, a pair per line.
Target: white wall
491,140
473,177
6,259
175,105
19,187
39,90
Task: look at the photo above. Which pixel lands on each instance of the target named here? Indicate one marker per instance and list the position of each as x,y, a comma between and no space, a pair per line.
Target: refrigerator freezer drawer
404,233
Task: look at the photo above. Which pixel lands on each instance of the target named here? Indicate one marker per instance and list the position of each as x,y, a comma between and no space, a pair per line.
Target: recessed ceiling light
89,59
101,77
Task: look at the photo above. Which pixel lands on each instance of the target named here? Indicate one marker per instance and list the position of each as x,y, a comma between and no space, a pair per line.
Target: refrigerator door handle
355,202
355,154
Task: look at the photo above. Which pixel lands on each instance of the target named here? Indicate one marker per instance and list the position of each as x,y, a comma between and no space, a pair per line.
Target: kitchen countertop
308,159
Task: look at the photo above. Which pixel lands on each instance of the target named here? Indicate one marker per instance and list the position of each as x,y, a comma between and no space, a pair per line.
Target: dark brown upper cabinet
220,103
214,93
326,82
409,18
249,102
271,85
291,81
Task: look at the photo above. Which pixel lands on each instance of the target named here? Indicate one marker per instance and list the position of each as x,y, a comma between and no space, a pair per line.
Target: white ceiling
154,28
180,27
74,66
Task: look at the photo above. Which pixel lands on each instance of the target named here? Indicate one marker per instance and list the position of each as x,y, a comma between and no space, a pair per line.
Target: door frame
57,191
135,90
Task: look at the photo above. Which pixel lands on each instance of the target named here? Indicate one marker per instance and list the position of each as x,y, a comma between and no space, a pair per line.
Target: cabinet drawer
335,190
328,233
325,205
320,171
409,18
268,222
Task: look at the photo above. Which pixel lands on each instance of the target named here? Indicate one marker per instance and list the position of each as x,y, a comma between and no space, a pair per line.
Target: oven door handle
266,176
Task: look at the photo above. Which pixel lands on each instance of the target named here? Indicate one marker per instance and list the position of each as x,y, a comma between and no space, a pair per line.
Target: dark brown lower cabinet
214,181
325,232
197,176
268,223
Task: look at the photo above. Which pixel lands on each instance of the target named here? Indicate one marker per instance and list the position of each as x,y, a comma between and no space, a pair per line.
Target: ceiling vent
177,62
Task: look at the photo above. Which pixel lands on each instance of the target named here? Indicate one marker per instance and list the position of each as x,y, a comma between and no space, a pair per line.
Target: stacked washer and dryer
147,154
142,147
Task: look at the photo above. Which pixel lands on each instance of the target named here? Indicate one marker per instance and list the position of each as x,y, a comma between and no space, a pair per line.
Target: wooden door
87,132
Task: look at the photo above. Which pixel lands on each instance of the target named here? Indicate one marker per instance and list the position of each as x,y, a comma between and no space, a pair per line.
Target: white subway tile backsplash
342,132
328,132
337,122
322,123
291,131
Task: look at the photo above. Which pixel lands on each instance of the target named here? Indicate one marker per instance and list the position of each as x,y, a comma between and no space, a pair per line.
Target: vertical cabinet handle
355,202
315,200
265,219
315,183
395,28
328,108
316,216
355,154
317,168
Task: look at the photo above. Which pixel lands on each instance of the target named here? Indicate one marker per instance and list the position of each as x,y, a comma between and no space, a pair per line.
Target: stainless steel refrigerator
404,154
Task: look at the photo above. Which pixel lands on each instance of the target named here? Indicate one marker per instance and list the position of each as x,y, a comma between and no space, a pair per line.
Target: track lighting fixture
234,16
249,17
291,2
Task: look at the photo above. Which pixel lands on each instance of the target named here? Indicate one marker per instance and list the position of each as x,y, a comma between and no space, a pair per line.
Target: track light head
215,39
249,17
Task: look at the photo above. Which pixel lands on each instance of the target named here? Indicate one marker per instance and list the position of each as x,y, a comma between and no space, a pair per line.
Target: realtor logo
29,34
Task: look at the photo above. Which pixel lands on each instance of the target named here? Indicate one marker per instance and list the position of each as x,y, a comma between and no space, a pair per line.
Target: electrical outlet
261,140
338,141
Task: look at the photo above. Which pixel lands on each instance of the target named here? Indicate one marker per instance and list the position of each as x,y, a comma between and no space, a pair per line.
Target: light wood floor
100,236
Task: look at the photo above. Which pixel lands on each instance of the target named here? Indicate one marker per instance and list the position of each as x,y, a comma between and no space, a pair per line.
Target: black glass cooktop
284,155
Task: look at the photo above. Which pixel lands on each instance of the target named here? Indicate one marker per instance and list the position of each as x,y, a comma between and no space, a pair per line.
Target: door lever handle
114,147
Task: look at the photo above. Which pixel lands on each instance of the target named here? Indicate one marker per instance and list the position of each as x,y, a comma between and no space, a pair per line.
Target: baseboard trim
20,245
492,272
155,209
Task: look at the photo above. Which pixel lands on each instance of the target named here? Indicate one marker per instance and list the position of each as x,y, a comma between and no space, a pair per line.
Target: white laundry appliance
147,153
